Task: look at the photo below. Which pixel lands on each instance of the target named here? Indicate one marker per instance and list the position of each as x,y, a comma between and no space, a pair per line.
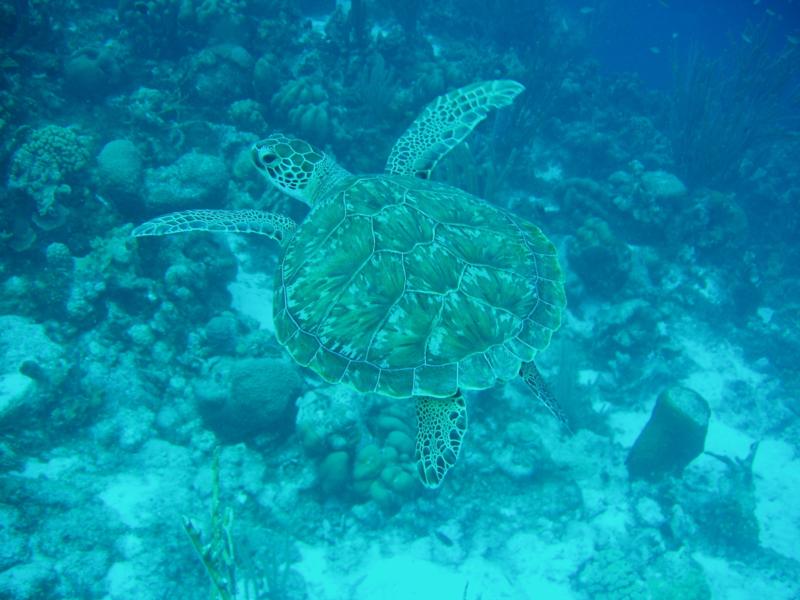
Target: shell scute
361,307
397,383
400,228
431,269
331,366
401,339
465,326
434,380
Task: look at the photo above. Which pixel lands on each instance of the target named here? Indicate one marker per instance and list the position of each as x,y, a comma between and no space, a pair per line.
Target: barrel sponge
673,437
119,167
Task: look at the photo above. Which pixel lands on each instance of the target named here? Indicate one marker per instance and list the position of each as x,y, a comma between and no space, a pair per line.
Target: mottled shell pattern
408,287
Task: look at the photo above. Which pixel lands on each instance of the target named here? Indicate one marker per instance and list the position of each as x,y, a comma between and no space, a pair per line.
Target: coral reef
44,168
125,363
372,463
599,258
611,575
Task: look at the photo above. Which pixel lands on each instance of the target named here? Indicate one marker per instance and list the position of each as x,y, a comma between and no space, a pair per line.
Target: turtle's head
296,167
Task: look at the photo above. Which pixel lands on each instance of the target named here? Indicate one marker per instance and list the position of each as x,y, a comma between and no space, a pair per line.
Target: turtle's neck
329,176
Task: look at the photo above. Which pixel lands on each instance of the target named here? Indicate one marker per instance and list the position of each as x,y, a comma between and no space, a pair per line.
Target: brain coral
193,180
119,168
250,396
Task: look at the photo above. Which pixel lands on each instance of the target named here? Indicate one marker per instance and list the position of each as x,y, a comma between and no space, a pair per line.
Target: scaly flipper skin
441,425
278,227
444,123
531,375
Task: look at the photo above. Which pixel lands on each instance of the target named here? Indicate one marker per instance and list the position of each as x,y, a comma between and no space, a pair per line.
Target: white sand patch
132,497
541,567
252,295
158,489
627,425
727,441
404,572
737,582
17,392
719,364
776,474
404,576
527,567
55,468
123,580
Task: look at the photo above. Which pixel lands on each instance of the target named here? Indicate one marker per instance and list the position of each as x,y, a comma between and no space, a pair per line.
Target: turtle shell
408,287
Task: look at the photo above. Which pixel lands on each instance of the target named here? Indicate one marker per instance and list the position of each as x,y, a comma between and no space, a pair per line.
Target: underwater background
157,442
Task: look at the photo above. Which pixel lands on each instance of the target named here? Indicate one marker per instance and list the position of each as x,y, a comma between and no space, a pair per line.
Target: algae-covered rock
677,575
25,347
610,575
662,185
329,420
522,454
673,437
195,180
34,579
246,115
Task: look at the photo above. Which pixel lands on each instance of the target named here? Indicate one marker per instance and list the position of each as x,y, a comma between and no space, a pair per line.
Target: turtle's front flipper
441,425
444,123
530,374
278,227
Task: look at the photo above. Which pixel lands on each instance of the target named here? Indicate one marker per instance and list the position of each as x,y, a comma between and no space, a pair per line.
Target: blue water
643,37
191,415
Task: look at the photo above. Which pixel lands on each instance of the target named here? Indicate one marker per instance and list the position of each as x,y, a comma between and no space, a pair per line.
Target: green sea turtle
399,285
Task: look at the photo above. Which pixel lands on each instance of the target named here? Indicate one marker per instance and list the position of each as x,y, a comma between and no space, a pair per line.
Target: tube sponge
673,437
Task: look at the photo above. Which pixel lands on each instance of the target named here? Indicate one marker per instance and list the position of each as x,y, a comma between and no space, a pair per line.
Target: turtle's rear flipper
441,425
530,374
276,226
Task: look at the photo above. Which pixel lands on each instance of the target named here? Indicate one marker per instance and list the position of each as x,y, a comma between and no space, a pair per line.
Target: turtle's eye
269,158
